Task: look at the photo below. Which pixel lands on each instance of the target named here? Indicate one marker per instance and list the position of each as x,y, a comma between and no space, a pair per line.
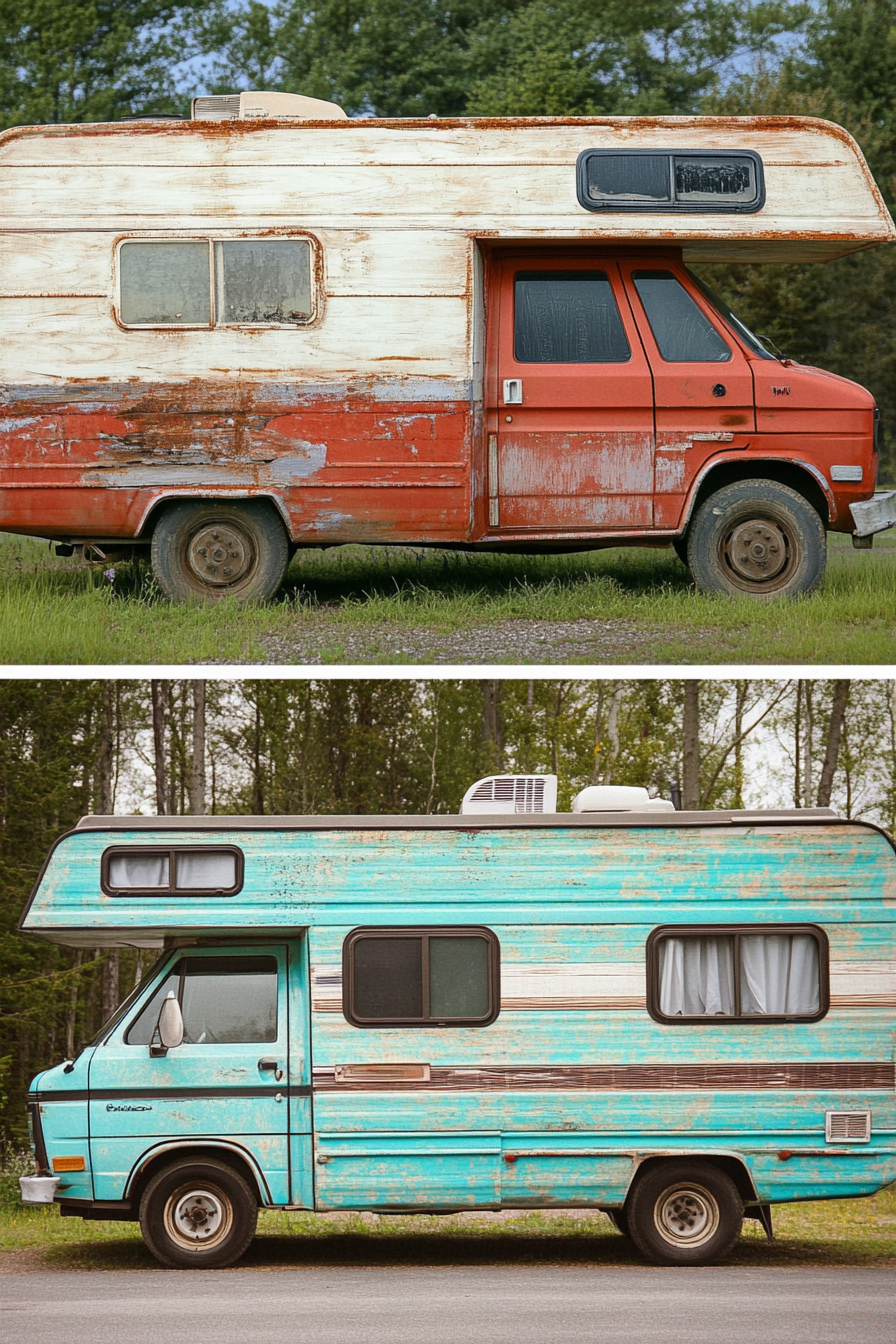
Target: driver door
229,1079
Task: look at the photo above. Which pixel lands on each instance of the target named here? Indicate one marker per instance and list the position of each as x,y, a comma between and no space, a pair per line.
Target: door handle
513,391
268,1065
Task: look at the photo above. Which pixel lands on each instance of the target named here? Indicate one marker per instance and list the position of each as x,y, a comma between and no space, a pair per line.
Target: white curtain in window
137,871
209,871
697,977
779,973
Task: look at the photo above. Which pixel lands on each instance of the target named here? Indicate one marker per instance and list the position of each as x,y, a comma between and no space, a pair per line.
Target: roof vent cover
255,106
618,798
511,795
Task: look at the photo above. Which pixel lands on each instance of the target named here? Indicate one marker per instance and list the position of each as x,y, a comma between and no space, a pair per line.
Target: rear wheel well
199,1151
783,473
151,520
733,1167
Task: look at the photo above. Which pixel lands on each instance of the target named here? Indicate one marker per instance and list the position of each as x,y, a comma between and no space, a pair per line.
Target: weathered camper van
271,326
681,1018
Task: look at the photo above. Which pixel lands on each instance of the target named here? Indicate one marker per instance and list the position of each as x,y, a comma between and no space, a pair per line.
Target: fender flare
184,1145
205,496
726,1155
720,460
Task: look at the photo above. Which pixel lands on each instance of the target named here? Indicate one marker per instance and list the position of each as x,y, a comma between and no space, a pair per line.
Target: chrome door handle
513,391
268,1065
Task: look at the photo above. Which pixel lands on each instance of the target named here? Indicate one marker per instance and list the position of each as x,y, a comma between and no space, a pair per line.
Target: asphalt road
541,1305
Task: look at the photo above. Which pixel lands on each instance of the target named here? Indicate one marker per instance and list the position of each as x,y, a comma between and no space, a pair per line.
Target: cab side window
682,333
421,977
567,317
224,1001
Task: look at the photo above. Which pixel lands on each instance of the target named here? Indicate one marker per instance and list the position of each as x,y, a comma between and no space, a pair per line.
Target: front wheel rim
687,1216
759,554
198,1218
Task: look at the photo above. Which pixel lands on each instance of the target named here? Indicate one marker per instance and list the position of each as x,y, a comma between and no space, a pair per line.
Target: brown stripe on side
799,1076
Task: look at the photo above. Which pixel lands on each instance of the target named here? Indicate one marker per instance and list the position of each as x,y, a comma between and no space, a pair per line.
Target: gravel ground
315,640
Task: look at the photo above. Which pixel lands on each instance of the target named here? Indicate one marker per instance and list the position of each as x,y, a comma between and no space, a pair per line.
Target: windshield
123,1007
732,319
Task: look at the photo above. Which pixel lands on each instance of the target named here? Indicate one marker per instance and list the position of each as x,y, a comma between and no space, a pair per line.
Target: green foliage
91,60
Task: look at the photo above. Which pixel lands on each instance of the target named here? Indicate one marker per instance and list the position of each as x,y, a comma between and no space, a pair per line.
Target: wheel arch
157,506
800,476
732,1164
163,1153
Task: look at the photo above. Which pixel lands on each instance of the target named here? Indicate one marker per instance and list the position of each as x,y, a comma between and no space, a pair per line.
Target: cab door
570,421
230,1080
703,382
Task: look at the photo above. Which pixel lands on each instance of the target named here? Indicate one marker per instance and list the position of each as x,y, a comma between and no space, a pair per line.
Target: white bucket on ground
38,1189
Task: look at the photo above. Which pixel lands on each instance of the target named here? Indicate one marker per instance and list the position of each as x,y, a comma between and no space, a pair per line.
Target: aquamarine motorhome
680,1018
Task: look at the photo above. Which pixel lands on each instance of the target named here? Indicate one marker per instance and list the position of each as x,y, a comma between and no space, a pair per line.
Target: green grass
358,603
857,1232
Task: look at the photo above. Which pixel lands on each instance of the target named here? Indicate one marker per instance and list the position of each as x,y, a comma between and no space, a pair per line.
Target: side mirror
171,1023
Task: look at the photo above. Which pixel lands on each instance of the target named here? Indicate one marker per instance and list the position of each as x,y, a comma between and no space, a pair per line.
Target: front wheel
214,549
685,1213
757,539
198,1215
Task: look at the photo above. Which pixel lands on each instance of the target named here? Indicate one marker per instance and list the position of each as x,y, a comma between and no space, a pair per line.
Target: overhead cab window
682,333
739,974
188,871
567,317
728,181
254,282
421,977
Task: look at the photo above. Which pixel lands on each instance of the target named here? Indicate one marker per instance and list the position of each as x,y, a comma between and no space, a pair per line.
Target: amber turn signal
69,1164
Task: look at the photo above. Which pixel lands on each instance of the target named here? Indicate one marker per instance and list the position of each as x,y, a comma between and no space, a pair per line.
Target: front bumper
875,514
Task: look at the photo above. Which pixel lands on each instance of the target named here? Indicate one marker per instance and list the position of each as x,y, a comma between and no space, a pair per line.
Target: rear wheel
198,1215
685,1213
757,539
215,549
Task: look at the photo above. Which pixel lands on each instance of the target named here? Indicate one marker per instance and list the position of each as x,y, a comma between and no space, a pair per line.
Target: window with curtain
737,974
203,870
421,977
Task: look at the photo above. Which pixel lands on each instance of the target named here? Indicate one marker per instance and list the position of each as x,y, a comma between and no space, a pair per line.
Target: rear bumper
875,514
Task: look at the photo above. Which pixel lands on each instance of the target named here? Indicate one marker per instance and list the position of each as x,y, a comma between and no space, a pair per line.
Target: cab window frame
424,932
171,891
211,239
657,936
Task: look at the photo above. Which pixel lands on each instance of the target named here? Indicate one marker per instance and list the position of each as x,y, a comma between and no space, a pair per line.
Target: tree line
259,747
92,60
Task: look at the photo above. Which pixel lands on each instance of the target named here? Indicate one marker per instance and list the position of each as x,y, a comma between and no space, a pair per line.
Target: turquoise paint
554,895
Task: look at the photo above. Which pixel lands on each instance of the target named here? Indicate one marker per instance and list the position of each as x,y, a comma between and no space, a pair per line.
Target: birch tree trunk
690,759
159,694
832,746
197,762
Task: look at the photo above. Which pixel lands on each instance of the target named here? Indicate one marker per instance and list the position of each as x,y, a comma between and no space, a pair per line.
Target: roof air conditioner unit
511,794
618,798
259,106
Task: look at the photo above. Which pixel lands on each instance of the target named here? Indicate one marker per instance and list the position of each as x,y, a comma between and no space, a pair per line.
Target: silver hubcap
757,550
220,554
198,1218
686,1215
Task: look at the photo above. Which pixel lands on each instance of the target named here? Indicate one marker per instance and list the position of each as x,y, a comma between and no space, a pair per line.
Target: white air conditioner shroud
510,795
258,106
618,798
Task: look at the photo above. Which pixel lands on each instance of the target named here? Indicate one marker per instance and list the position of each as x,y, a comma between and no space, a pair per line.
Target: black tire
619,1219
214,549
757,539
680,547
198,1214
684,1213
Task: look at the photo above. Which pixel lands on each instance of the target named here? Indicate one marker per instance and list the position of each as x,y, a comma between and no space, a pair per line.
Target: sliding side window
253,282
197,870
421,977
738,974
